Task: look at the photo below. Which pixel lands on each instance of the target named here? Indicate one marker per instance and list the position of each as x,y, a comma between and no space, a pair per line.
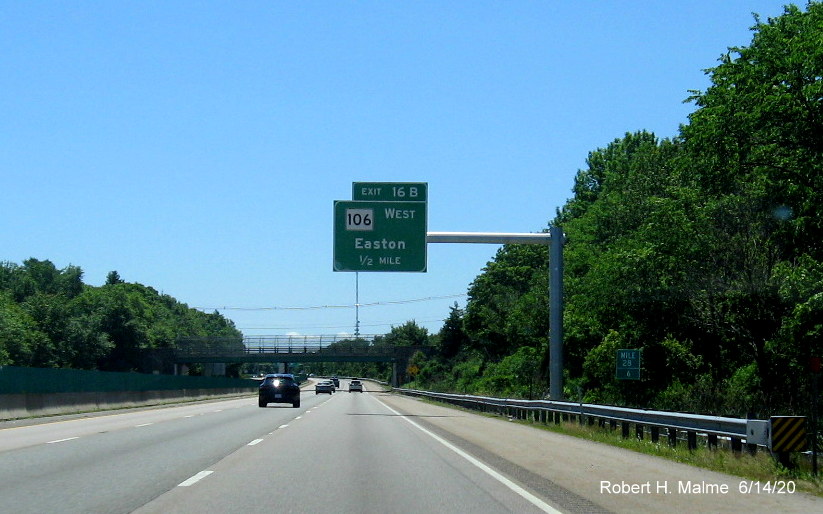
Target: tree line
704,251
50,318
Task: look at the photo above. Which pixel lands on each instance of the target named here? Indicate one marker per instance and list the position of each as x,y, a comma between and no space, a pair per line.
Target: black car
279,388
336,381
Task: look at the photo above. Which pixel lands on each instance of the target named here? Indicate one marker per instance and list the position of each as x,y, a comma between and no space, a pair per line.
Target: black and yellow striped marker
788,433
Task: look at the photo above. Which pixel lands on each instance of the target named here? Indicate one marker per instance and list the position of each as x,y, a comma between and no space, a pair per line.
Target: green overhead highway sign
379,236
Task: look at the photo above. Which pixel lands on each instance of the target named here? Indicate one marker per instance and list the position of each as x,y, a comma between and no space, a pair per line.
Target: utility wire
376,324
347,306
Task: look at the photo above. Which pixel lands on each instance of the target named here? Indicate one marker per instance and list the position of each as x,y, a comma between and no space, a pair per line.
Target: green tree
755,149
113,278
500,290
18,333
407,334
758,129
453,337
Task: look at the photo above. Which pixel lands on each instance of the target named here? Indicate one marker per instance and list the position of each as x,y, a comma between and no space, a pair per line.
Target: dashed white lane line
144,424
256,441
283,426
61,440
196,478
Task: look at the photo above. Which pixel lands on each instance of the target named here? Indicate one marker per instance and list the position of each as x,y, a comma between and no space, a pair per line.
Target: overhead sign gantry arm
554,238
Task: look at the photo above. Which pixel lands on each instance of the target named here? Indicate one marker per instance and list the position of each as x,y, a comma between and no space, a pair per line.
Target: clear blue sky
198,147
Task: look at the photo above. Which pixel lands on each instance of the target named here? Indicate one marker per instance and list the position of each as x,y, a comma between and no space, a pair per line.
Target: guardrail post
672,434
638,432
655,430
692,439
625,427
737,444
613,424
712,441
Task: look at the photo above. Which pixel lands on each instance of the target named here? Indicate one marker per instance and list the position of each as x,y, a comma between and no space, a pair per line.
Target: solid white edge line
61,440
534,500
196,478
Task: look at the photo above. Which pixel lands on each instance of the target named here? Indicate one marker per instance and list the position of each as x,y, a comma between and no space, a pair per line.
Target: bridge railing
305,347
320,340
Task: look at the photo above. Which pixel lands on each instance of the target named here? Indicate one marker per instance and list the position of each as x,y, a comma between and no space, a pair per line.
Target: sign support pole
357,304
554,239
556,314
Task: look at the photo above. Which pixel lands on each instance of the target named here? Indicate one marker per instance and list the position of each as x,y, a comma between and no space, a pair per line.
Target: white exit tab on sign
390,191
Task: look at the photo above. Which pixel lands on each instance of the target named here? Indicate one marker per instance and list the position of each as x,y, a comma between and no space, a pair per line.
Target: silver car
325,386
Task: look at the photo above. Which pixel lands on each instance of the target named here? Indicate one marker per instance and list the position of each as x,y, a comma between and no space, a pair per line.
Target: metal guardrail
673,422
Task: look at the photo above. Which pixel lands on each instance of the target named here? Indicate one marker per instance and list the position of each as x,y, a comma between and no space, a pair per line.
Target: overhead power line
346,306
312,327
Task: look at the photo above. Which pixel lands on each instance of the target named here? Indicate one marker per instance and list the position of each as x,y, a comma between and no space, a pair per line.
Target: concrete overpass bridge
294,349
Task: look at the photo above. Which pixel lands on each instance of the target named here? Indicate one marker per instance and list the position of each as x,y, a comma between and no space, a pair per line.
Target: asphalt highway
342,453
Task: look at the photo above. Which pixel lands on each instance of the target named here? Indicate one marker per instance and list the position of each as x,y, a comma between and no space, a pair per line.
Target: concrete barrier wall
28,392
26,405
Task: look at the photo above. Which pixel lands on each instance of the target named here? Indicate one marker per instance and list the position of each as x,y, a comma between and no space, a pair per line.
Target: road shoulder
568,468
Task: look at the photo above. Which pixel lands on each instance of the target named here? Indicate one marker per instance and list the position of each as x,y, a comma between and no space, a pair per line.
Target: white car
356,385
